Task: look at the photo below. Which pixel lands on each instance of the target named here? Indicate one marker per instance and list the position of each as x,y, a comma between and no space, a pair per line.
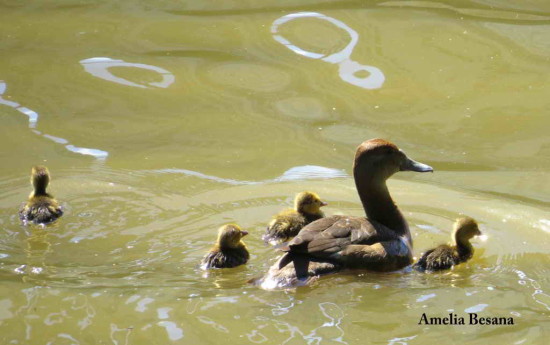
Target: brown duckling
229,251
446,256
381,241
41,208
287,224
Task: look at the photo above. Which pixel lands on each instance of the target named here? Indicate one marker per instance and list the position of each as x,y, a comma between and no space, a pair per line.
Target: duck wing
330,235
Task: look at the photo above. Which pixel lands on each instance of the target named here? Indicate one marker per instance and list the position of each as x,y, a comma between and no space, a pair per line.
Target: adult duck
41,208
288,223
446,256
381,241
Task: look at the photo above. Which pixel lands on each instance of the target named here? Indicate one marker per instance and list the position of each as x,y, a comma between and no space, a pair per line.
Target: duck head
308,202
230,235
381,159
40,178
375,161
464,229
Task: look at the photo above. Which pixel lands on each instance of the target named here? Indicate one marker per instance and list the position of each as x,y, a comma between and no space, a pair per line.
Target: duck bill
244,233
324,203
412,165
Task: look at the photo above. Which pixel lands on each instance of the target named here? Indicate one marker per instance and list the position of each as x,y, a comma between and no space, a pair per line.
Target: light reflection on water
347,68
99,67
33,121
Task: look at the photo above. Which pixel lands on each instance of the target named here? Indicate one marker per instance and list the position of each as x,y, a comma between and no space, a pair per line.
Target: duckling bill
41,207
288,223
229,251
446,256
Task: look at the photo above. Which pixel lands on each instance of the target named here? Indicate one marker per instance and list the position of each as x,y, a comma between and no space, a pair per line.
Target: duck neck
379,205
312,216
464,247
231,246
39,190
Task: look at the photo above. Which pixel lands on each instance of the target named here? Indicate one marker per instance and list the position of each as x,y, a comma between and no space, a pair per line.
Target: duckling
41,208
289,222
446,256
229,251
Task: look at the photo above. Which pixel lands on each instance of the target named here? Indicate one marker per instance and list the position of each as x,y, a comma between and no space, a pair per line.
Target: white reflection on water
126,333
33,120
347,67
174,332
208,321
401,341
423,298
476,308
328,330
335,315
305,172
99,67
163,313
539,296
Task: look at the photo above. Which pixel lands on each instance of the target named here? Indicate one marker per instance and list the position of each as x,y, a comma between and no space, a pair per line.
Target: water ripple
33,121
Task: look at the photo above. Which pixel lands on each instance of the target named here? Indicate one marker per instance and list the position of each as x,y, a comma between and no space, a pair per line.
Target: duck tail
301,264
285,260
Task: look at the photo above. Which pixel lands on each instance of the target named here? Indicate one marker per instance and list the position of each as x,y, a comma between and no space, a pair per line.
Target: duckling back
41,208
225,258
284,226
440,258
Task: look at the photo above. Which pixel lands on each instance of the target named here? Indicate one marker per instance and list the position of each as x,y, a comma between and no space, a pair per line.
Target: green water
220,111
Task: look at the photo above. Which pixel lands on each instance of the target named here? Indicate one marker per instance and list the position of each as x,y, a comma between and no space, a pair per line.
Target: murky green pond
161,121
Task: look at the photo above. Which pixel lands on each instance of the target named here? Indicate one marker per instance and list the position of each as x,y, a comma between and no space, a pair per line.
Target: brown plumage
229,251
41,208
446,256
287,224
381,241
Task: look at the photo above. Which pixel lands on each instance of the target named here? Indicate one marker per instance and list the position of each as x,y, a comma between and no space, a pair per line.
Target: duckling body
446,256
229,250
41,208
381,241
289,222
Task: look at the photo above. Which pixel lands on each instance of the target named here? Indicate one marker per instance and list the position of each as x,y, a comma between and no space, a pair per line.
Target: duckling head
465,228
381,158
308,202
40,178
230,235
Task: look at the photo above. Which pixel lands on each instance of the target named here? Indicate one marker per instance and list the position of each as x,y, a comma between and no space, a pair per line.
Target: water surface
161,121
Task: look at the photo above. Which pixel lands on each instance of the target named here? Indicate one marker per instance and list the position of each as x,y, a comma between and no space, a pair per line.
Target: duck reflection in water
381,241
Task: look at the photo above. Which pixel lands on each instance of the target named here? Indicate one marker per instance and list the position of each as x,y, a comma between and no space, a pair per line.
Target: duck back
41,210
